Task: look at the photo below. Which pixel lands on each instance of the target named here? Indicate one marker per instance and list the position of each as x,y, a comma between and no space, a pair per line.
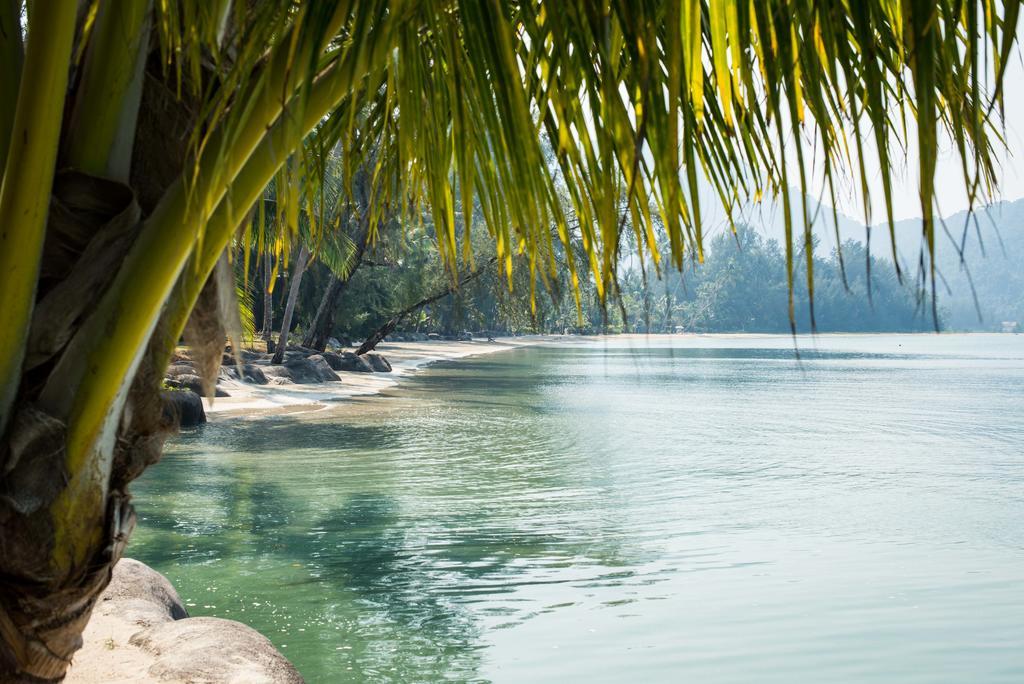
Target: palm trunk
323,321
268,300
289,309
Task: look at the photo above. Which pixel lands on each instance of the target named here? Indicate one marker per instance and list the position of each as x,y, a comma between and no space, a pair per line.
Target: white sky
949,183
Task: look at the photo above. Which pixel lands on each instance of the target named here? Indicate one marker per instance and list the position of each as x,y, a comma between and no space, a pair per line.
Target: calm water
684,509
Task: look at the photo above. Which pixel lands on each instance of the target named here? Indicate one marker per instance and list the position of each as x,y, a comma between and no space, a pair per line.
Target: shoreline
406,359
248,400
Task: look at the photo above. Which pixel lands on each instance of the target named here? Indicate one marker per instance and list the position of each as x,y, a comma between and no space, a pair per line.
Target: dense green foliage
741,287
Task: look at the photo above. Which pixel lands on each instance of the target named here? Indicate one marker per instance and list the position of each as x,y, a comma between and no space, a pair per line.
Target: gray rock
277,374
209,649
433,336
333,360
322,368
378,363
137,582
349,361
194,383
302,371
250,373
183,408
180,368
466,337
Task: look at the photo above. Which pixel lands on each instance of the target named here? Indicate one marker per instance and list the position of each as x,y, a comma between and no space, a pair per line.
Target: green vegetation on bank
741,287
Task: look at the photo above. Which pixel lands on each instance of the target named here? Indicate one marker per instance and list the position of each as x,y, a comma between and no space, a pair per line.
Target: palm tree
142,133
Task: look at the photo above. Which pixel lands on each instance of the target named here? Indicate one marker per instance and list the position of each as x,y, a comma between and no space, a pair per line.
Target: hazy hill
993,250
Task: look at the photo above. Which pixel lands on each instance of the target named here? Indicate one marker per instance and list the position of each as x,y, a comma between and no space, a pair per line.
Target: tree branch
383,331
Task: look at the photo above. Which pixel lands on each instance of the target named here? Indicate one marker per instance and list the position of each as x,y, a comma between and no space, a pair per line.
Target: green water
686,509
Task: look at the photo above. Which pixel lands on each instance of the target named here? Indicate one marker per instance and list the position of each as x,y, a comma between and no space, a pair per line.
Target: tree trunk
289,309
268,299
383,331
54,566
323,321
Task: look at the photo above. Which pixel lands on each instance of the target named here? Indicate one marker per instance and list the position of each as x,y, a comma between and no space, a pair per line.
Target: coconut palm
135,137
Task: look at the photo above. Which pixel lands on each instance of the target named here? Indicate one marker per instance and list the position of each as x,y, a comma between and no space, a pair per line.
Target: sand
406,358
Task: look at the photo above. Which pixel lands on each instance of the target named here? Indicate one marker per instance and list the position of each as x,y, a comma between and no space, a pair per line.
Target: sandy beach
406,358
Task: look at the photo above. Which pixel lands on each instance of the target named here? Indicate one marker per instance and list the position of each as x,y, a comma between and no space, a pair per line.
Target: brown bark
46,596
268,299
293,294
323,321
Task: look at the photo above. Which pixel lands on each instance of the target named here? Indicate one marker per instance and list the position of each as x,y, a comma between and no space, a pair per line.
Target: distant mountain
993,255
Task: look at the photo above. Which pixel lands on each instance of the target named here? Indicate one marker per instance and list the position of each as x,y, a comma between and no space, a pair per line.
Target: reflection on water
705,508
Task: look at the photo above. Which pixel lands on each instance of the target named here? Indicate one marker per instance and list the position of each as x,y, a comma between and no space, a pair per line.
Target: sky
949,184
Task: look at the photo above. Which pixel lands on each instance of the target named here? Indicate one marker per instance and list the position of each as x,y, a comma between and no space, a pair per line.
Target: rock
433,336
466,337
334,343
247,356
378,363
301,370
180,368
183,408
250,373
140,632
333,360
193,382
137,586
323,369
277,374
209,649
349,361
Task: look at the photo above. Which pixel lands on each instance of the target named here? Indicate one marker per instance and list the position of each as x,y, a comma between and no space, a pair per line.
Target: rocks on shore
301,366
378,363
182,407
348,361
141,632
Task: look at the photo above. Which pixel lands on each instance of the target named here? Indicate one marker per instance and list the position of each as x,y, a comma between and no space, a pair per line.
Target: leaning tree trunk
289,309
378,335
268,300
323,321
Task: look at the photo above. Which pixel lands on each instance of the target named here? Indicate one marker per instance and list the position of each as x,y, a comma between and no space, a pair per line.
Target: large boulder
277,374
348,361
141,633
209,649
141,591
302,371
333,360
378,363
323,370
180,368
247,356
183,408
249,373
194,383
